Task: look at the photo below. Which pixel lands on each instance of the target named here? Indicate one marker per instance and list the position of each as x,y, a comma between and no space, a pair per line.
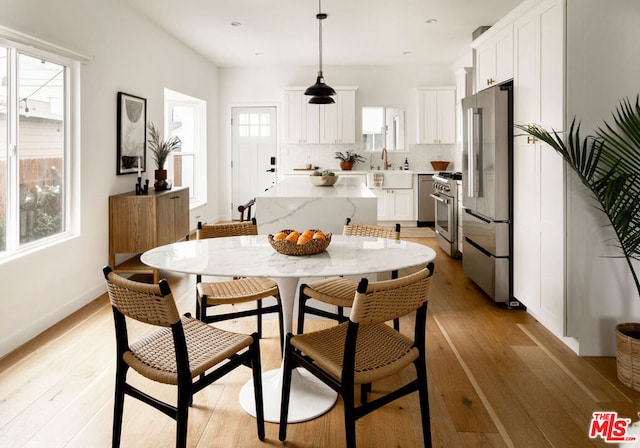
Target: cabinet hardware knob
532,139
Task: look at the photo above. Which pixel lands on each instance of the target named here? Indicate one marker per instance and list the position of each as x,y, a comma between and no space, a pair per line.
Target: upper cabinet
437,115
321,123
494,57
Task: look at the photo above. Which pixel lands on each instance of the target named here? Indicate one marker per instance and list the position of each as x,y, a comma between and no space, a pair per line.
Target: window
186,119
35,178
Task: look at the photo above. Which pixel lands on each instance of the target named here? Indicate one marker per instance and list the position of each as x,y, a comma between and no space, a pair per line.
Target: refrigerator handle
474,161
471,156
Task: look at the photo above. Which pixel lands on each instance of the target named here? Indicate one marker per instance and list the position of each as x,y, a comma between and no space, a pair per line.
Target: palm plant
608,163
161,148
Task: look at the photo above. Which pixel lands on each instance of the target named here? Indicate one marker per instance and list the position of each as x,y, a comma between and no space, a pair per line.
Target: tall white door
254,145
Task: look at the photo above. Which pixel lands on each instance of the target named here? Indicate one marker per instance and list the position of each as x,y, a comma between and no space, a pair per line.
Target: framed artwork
132,134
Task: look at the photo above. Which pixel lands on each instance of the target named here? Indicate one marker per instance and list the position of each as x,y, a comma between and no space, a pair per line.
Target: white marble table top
301,187
251,256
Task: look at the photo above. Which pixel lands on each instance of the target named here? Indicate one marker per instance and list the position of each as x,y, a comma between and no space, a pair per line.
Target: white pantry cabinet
539,185
494,57
320,123
437,115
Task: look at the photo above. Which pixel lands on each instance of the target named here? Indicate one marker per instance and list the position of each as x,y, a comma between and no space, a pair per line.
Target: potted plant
161,149
608,163
348,158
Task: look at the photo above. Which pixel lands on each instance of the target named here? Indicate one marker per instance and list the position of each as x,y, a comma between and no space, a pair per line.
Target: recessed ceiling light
406,53
431,20
236,23
259,53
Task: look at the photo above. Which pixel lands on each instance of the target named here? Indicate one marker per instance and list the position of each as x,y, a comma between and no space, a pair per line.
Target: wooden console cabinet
140,223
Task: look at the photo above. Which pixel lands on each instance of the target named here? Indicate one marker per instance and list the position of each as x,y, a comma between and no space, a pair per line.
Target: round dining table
253,256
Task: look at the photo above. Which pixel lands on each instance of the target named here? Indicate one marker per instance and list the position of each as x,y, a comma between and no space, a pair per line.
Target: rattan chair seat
381,351
339,291
237,291
333,290
154,355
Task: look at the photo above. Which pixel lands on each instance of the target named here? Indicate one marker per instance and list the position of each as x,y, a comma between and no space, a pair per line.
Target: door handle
272,170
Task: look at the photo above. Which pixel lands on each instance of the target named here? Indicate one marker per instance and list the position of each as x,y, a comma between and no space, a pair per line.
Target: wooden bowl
311,247
323,181
439,165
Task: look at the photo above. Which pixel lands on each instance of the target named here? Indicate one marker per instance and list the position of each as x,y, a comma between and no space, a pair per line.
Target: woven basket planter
628,354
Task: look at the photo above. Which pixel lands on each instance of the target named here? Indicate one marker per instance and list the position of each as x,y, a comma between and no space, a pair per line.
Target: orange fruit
279,236
293,237
319,236
303,239
308,233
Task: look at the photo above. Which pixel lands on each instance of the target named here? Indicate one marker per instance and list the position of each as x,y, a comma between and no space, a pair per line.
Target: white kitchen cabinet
494,57
437,115
320,123
395,205
539,184
338,121
302,118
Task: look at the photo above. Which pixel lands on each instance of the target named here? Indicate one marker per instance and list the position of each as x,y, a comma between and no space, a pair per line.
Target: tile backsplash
419,156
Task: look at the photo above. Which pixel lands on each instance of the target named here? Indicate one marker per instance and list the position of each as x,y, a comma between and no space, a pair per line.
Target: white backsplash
419,156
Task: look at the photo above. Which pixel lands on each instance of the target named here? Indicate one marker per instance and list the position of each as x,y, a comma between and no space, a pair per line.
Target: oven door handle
440,199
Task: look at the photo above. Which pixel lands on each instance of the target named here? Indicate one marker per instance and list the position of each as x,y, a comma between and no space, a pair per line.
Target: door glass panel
3,148
40,148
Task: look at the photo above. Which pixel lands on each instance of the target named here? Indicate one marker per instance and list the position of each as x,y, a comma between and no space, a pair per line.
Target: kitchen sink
389,179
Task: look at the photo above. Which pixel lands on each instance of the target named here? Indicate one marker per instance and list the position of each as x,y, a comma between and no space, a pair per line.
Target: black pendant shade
321,99
319,88
320,92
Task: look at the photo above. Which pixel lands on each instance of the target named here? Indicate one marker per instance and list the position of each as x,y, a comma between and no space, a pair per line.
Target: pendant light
320,92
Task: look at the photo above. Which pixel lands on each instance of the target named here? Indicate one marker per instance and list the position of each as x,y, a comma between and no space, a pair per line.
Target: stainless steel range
445,193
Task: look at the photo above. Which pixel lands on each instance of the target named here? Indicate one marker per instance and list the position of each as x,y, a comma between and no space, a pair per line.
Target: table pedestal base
310,397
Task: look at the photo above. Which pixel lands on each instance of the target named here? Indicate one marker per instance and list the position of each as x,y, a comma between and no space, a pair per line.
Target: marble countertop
301,187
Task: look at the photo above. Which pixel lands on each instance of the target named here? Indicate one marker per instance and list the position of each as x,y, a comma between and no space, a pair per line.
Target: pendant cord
320,32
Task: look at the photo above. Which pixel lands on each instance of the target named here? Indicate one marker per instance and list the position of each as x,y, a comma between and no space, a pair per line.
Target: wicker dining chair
182,351
339,291
236,291
365,349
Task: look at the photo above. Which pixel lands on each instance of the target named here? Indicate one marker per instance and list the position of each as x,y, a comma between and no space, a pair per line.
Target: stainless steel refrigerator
487,191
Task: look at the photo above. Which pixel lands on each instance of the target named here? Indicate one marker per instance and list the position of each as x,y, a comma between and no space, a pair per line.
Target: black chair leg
286,390
182,417
423,393
302,304
280,325
257,384
396,324
259,318
118,406
349,417
365,389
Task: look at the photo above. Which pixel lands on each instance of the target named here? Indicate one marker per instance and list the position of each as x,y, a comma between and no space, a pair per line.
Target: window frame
172,98
18,43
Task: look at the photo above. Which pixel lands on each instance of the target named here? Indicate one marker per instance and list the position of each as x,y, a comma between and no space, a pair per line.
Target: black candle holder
142,190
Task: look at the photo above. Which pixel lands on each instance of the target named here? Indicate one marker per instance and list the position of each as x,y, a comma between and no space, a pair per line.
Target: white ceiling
356,32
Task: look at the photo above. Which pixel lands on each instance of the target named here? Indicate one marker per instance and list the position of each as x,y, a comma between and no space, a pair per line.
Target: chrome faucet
385,158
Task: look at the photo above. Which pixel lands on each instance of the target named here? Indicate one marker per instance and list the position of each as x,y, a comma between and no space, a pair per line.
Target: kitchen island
294,203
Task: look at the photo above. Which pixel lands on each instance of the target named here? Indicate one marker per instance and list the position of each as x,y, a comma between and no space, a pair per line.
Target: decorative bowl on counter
314,242
439,165
323,181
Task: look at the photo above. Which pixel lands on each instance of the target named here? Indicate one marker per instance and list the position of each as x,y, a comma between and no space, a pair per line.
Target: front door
254,143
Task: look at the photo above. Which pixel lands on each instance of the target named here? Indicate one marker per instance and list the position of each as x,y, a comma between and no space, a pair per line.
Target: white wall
127,54
377,86
602,68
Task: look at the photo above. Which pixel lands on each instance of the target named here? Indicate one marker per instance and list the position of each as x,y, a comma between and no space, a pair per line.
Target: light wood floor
497,378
